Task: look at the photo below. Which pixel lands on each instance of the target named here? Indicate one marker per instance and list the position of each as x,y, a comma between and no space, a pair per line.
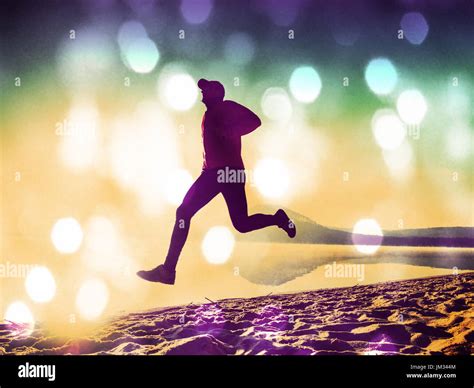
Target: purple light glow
196,11
415,27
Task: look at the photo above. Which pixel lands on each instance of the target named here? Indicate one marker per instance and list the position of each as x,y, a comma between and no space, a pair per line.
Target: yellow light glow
372,352
399,160
389,131
218,244
67,235
106,250
40,285
92,299
79,148
367,226
142,151
101,244
19,313
272,178
178,91
177,185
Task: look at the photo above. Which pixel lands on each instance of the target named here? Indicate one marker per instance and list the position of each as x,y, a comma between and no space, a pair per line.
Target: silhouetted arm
236,120
252,122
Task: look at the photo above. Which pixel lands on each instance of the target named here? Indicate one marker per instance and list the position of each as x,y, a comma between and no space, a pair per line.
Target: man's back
222,127
222,146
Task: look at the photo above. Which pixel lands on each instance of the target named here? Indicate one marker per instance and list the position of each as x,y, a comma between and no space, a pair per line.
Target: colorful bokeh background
367,111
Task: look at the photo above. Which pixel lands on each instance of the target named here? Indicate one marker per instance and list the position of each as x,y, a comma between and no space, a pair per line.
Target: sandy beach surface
420,316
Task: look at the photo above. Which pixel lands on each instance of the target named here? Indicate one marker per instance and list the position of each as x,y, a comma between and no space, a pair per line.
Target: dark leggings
205,188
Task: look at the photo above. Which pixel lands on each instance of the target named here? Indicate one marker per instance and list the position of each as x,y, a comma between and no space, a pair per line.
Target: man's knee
241,225
183,213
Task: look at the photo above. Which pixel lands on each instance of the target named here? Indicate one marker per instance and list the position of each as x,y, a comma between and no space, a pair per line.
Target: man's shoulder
232,107
231,103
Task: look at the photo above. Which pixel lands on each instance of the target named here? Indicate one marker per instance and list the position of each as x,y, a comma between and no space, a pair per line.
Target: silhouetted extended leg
234,195
200,193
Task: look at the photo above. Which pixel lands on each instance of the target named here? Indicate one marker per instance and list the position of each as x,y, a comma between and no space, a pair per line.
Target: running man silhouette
223,124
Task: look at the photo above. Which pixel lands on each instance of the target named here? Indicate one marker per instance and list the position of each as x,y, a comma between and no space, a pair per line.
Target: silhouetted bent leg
234,195
199,194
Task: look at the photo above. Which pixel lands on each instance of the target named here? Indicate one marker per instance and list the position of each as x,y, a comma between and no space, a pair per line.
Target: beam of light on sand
273,321
19,315
381,345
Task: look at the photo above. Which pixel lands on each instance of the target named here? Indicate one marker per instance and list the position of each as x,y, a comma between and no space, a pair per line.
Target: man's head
212,91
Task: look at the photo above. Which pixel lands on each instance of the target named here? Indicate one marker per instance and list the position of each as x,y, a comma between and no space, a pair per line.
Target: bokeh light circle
67,235
345,29
196,11
239,48
130,31
218,244
141,55
178,91
177,185
92,299
399,160
411,106
276,104
40,284
83,62
367,226
389,131
305,84
381,76
272,178
19,313
415,27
